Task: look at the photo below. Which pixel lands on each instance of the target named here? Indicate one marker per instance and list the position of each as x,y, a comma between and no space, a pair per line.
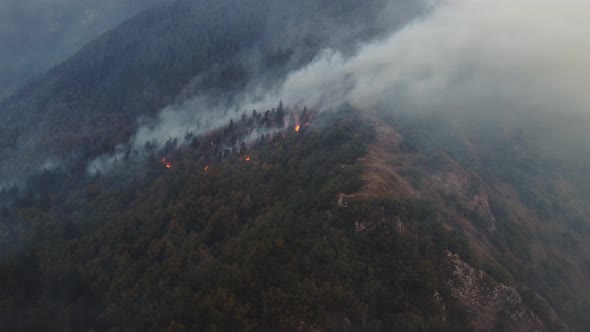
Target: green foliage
254,245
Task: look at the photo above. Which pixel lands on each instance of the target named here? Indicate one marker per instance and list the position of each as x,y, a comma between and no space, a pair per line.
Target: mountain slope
87,105
92,101
527,228
250,238
282,219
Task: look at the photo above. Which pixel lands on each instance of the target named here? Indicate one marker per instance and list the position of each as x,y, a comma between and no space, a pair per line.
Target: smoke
295,30
526,60
181,122
464,56
196,116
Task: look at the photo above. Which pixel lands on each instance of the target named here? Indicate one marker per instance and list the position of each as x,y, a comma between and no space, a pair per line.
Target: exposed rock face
392,168
491,305
467,186
389,171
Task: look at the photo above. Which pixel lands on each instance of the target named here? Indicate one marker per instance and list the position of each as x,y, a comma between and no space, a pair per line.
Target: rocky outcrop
491,305
464,201
390,171
469,189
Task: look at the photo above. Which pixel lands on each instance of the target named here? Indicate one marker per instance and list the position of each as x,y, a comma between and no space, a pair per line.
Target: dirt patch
391,172
381,165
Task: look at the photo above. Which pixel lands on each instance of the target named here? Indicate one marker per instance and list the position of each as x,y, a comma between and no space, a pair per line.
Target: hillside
306,165
523,216
92,102
248,238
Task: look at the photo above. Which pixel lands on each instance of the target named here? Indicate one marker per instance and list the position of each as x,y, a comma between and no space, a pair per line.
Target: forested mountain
286,166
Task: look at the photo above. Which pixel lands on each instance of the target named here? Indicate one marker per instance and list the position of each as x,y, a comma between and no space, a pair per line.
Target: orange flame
167,163
206,168
247,158
297,127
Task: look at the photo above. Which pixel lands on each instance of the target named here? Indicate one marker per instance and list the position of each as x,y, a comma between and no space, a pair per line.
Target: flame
297,127
247,158
206,168
167,163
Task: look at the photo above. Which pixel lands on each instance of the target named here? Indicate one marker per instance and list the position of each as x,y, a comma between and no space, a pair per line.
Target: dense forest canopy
250,238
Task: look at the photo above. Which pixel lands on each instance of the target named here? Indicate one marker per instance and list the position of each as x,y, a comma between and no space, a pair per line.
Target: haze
37,34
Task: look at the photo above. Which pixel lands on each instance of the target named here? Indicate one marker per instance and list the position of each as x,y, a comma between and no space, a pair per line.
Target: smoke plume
474,56
475,59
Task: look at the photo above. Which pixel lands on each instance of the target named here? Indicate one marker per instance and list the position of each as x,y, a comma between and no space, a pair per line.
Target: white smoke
195,116
481,57
465,55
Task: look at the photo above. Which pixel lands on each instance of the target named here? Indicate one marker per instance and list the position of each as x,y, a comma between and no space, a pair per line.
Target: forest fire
167,163
235,140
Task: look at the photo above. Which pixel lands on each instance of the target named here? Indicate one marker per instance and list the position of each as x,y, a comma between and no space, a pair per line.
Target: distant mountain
36,35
